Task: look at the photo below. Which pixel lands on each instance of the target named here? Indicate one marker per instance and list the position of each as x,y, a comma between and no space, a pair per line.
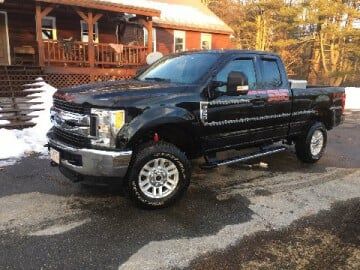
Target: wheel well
325,116
179,135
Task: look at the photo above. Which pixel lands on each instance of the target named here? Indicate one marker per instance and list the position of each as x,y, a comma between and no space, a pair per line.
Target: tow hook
156,138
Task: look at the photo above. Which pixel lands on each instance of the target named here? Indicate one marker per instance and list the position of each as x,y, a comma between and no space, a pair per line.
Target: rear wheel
159,175
311,147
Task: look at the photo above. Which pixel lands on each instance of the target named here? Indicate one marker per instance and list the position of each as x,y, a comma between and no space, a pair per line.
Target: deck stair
16,103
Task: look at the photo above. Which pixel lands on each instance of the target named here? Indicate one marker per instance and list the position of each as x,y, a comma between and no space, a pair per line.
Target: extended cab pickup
195,104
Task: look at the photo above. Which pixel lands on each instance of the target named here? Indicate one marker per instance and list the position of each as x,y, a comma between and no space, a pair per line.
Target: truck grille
70,107
71,138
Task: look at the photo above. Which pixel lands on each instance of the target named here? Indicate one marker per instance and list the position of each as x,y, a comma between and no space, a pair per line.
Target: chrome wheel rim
158,178
317,142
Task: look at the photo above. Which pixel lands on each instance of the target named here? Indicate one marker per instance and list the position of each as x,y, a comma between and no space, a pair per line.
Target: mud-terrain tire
311,147
161,167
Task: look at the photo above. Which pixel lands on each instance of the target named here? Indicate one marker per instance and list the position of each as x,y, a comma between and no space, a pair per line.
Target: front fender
153,118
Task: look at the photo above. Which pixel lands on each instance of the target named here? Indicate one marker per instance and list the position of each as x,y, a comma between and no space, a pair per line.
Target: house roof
108,5
175,14
180,14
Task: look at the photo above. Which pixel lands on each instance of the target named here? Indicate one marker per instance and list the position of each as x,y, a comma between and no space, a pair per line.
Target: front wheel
159,175
311,147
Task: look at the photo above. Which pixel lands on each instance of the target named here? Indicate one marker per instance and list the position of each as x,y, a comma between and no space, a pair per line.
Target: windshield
187,68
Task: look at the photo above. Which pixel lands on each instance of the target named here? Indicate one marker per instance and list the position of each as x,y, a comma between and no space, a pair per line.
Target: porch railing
119,55
67,53
74,53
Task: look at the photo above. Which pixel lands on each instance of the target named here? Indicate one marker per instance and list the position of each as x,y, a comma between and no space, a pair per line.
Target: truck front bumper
91,162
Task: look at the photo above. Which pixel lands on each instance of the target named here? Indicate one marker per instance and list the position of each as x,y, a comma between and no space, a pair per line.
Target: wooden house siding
193,40
68,25
221,41
21,24
165,40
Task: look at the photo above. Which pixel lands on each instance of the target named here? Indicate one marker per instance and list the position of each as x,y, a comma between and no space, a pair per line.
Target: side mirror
211,91
216,84
237,83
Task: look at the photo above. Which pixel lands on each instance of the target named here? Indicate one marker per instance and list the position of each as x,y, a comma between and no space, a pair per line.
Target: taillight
343,100
339,97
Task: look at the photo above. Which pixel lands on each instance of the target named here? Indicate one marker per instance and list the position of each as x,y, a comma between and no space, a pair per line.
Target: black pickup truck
144,131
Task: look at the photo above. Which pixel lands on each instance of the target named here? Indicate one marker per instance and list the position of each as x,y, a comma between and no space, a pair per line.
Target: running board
262,153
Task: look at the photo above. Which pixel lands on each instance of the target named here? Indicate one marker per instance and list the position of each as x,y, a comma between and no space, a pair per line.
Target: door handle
258,101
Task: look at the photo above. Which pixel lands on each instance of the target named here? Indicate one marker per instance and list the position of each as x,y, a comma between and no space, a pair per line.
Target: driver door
234,119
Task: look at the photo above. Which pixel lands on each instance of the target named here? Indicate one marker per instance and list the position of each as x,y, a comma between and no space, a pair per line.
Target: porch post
91,47
39,36
150,36
148,24
39,15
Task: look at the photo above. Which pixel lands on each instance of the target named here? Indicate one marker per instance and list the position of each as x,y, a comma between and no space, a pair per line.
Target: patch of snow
352,98
15,144
59,228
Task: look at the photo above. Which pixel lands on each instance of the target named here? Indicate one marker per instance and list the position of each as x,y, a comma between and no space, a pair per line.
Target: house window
85,32
48,26
146,38
206,41
179,41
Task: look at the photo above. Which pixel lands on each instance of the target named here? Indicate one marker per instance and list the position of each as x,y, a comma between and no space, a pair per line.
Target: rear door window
270,73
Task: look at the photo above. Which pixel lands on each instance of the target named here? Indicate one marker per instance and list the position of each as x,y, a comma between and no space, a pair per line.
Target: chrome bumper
93,162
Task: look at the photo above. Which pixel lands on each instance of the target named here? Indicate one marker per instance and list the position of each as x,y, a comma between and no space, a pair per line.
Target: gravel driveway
232,217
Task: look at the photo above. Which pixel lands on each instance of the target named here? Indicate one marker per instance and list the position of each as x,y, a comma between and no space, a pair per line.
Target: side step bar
263,152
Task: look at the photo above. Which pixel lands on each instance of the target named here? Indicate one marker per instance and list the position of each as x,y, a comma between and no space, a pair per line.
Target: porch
92,39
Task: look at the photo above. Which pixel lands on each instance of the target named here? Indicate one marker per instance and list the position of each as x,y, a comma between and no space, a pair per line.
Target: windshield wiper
157,79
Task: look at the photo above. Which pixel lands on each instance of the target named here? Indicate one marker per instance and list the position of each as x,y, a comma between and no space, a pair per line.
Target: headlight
107,125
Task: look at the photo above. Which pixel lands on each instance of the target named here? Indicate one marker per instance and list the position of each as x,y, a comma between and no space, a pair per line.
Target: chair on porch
131,54
72,52
67,45
118,50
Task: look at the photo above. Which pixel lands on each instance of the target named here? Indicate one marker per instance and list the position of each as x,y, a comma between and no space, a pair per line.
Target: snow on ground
352,98
15,144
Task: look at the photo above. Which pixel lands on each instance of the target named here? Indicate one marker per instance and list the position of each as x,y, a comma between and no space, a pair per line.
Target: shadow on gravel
328,240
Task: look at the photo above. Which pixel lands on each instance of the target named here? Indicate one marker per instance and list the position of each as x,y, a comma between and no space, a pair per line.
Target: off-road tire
148,152
303,144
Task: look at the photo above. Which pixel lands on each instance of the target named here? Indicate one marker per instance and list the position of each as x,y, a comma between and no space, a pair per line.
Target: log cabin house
79,41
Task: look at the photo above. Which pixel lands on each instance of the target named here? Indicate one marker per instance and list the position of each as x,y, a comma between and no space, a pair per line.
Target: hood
120,93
